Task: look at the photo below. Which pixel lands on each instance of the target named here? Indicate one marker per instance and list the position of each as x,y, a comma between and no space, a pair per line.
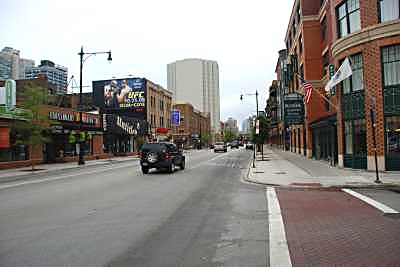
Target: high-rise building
231,125
56,75
12,66
196,81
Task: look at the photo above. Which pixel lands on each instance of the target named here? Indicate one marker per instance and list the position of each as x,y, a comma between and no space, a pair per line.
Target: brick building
337,124
63,132
193,126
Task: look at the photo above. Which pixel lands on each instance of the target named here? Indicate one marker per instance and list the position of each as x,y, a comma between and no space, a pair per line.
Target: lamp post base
81,161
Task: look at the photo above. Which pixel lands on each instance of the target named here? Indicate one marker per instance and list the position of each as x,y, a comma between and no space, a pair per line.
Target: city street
209,214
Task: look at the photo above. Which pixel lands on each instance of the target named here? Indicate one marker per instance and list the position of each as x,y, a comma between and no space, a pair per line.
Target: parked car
249,146
211,146
220,146
161,155
235,144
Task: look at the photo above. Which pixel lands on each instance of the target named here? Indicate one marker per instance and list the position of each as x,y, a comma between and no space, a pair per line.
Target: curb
49,171
362,186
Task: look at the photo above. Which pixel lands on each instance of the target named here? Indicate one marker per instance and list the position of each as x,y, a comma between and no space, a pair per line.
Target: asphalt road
115,216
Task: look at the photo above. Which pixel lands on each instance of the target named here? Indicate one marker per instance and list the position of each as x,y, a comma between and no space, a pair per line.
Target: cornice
378,31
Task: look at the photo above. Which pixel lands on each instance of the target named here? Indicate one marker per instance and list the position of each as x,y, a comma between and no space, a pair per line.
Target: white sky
244,37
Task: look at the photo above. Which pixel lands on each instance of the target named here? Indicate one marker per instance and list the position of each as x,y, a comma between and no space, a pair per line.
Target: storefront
392,143
66,135
123,134
324,140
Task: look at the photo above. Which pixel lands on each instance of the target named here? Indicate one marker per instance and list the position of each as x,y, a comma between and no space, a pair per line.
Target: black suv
161,156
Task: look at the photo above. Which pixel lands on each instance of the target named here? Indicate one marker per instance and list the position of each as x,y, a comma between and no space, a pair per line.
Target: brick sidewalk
332,228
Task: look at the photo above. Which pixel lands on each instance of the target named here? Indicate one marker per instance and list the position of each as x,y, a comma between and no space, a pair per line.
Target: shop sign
4,137
294,109
73,117
124,125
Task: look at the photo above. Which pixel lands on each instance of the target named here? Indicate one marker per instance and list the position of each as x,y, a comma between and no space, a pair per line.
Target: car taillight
167,156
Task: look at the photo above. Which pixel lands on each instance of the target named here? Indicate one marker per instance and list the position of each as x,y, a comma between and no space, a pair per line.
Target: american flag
307,90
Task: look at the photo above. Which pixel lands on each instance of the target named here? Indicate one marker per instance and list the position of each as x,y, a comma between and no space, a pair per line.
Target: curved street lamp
81,54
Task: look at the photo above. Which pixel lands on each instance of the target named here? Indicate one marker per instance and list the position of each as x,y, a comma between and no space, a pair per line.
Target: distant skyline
144,36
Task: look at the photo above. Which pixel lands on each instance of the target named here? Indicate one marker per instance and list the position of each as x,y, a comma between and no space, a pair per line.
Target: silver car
220,146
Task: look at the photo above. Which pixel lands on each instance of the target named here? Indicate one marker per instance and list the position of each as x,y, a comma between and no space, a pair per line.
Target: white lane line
278,246
382,207
57,178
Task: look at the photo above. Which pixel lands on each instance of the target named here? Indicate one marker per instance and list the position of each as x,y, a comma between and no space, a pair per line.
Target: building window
388,10
348,138
348,17
323,29
300,45
355,81
393,136
360,137
391,65
325,63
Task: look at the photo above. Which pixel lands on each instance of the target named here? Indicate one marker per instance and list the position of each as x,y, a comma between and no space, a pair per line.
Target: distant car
220,146
161,156
249,146
211,146
235,144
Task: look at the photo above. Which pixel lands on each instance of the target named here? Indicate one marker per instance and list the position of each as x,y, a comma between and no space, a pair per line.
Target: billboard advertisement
120,94
176,117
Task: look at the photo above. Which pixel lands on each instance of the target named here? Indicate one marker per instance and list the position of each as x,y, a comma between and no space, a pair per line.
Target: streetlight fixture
81,54
255,124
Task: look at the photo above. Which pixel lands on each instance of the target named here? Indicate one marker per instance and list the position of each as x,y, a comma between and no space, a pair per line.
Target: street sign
294,109
331,74
258,127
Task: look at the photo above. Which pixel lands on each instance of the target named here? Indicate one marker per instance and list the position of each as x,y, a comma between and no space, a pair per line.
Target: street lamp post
255,125
81,54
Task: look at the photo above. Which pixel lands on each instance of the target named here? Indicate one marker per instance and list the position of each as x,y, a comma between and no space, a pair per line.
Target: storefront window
391,65
348,137
355,81
393,136
360,137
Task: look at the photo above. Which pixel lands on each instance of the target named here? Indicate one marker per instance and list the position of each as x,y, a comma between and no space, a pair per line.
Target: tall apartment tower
196,81
56,74
12,66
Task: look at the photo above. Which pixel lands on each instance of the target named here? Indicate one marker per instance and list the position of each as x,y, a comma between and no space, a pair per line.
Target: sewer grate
279,172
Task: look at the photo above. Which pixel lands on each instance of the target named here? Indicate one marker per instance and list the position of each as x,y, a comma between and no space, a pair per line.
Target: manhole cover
279,172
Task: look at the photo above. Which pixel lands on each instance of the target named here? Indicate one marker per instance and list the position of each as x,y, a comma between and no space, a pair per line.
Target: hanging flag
307,90
343,73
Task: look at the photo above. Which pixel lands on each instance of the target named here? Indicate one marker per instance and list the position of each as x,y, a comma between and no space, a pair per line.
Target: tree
205,138
229,136
263,135
32,130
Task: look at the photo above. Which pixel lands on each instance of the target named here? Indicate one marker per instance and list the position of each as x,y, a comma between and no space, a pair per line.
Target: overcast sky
244,37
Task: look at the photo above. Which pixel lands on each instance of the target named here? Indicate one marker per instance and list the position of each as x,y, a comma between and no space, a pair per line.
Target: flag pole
326,99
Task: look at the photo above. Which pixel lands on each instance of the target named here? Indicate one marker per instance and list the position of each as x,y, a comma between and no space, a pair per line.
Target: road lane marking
278,247
58,177
382,207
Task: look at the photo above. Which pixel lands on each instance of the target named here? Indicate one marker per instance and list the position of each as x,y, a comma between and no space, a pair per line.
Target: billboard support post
81,160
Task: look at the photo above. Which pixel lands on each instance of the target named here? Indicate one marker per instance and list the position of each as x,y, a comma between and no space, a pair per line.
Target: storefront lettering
72,117
126,127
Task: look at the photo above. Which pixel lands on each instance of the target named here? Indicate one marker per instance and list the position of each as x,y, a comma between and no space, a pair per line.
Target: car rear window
152,147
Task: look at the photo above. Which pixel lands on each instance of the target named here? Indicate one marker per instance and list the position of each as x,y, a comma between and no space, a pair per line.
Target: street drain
279,172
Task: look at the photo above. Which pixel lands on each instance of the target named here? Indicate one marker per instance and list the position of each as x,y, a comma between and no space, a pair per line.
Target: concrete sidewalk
18,173
286,168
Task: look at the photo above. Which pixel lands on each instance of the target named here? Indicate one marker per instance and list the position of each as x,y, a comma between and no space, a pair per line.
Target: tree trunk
32,161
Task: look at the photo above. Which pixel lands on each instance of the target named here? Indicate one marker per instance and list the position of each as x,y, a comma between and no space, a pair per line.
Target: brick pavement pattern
331,228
